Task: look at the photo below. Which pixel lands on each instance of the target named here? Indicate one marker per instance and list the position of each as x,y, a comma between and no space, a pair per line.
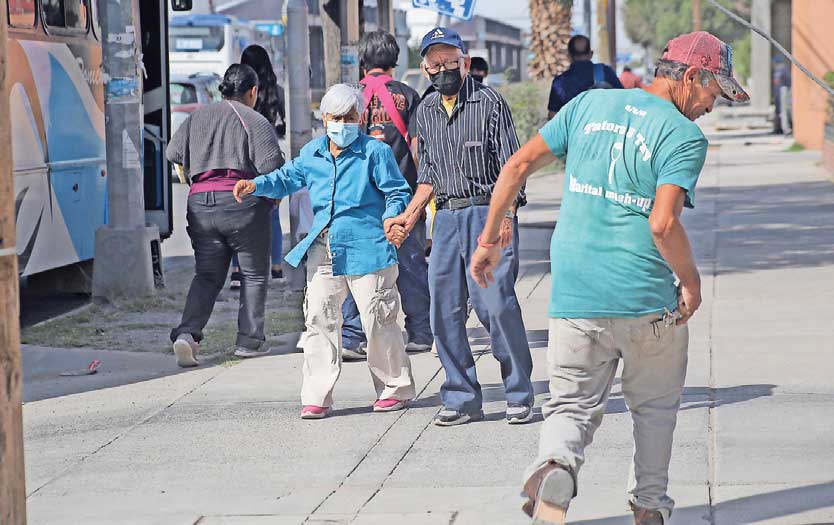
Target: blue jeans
277,240
454,239
414,292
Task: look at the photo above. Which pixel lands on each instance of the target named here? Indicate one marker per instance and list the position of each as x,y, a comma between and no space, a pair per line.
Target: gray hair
340,99
674,70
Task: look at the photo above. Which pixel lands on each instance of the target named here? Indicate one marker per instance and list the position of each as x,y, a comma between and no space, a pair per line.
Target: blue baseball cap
442,35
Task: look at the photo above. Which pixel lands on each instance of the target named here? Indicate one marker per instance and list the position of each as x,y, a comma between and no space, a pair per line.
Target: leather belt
459,204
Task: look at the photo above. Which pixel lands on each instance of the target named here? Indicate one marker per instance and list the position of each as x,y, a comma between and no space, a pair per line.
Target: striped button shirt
462,155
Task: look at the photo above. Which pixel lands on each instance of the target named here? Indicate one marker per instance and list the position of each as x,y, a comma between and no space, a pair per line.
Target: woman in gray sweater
218,145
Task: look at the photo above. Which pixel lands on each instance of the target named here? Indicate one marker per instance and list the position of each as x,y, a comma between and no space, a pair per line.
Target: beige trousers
582,357
378,300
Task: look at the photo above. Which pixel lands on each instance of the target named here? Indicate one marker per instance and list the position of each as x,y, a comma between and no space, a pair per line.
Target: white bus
203,43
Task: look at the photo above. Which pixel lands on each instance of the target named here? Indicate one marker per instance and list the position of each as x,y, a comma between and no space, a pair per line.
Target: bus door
158,200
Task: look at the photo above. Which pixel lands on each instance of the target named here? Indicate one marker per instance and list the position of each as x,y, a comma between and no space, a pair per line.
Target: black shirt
462,155
377,123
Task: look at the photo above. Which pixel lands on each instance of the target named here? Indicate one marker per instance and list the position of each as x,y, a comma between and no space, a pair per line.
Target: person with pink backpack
388,116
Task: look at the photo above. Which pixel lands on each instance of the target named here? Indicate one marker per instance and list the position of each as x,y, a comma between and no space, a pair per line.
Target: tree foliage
652,23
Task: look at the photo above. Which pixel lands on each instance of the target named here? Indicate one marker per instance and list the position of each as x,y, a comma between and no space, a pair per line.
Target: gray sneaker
517,414
449,417
354,354
186,348
249,352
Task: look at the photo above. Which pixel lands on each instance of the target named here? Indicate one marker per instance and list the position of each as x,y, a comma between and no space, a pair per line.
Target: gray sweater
214,137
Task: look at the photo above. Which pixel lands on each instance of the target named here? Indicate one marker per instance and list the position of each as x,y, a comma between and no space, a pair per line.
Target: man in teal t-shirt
633,158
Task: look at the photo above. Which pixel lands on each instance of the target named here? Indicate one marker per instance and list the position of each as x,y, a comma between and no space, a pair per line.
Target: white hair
340,99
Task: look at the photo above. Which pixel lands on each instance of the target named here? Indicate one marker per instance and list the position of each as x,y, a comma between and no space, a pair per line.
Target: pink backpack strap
375,85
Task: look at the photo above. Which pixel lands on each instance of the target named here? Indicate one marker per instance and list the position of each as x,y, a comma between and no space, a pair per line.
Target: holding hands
395,231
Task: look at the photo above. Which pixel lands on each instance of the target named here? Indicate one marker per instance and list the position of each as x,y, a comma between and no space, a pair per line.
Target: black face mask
447,82
479,78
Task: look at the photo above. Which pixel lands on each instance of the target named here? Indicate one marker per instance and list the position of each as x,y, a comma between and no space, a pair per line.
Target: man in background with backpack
581,76
388,116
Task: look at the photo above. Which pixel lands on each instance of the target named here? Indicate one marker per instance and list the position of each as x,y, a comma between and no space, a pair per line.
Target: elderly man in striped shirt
465,135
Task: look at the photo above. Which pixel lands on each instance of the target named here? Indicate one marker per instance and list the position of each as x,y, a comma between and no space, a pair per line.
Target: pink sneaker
314,412
388,405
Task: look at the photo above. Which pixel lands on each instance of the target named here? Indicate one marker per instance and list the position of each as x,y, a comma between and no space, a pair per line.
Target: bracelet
483,244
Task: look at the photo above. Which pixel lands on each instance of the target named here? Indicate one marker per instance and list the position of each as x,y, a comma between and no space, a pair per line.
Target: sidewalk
754,444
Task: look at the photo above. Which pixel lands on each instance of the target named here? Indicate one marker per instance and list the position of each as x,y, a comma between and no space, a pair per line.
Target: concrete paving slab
779,439
775,504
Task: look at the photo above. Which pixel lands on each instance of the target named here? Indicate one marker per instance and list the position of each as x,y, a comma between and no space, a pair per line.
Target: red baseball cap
703,50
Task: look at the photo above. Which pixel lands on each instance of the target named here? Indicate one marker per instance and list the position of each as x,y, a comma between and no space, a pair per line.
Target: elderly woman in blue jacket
356,188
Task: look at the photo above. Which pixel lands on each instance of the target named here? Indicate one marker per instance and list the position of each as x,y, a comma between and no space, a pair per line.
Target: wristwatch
509,214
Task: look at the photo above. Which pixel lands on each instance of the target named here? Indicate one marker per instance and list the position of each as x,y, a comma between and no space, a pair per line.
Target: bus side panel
58,145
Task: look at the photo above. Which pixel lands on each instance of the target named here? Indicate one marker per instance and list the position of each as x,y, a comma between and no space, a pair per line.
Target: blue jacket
351,196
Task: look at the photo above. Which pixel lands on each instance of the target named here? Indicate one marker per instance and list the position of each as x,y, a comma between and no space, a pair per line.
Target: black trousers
219,227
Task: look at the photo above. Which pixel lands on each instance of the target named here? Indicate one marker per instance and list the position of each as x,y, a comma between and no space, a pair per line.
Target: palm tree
551,30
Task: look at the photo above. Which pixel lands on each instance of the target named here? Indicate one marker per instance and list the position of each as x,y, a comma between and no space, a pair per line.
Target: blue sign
271,29
462,9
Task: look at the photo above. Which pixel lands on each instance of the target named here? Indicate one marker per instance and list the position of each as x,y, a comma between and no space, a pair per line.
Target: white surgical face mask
343,133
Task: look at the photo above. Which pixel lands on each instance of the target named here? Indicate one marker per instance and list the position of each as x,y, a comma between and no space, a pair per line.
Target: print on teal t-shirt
620,146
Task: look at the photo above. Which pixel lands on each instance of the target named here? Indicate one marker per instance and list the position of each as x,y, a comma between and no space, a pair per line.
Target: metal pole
12,482
123,246
300,123
586,15
612,33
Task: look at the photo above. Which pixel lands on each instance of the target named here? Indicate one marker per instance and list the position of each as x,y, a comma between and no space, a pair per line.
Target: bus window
195,38
70,14
22,13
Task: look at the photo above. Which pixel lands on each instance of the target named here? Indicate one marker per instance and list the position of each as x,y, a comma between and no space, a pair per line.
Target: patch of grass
795,147
284,321
231,361
219,337
65,333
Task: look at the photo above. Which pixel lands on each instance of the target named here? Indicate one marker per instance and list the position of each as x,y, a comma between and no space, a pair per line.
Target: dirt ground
144,324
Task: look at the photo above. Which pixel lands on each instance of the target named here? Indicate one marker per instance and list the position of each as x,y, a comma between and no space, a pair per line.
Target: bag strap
599,74
375,85
245,127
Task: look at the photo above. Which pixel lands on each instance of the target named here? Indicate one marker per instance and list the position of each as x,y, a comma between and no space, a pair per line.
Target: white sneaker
186,348
414,348
434,349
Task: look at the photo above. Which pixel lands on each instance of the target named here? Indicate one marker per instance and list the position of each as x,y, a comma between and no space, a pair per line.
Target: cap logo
706,60
437,34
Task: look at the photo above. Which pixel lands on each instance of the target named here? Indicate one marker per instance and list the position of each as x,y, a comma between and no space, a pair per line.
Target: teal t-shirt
620,146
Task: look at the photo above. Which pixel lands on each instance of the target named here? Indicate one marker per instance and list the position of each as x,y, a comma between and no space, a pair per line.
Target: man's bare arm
415,208
673,244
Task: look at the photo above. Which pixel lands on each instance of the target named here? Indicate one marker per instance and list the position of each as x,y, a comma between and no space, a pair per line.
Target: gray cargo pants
582,356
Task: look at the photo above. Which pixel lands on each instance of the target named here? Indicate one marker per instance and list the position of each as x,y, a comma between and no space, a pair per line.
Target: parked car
189,92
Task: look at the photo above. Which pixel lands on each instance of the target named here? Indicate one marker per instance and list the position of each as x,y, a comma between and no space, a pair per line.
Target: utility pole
612,33
300,123
123,266
601,48
12,483
349,24
329,11
760,63
696,15
386,15
586,17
